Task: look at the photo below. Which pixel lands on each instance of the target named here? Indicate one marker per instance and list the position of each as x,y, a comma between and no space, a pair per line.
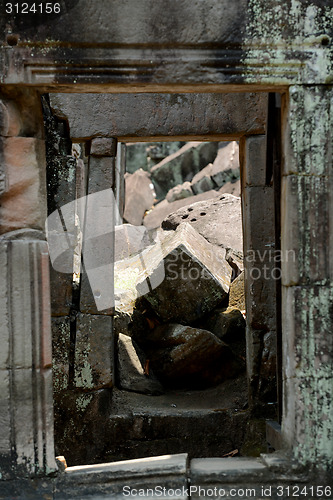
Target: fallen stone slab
130,240
185,277
218,219
202,181
155,217
182,165
186,357
116,479
236,261
231,188
121,320
133,372
139,196
227,324
179,192
226,164
129,271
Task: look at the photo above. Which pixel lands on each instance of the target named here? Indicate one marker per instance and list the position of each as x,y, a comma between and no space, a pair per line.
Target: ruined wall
307,280
263,45
82,340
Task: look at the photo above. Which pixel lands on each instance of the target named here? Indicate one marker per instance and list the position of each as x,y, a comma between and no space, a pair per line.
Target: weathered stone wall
83,358
139,46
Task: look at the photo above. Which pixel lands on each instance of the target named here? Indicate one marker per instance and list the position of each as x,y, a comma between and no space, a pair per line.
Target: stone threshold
168,476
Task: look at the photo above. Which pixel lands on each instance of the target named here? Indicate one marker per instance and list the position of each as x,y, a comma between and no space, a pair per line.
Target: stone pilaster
307,295
26,399
260,273
98,235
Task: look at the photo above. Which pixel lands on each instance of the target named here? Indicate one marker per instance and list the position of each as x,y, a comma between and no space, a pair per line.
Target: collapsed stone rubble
187,174
180,312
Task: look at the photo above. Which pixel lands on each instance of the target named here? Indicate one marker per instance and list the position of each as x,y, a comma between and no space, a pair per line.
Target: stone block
183,278
24,424
131,372
260,261
258,210
130,240
218,219
101,173
179,192
125,115
254,167
61,292
237,293
156,216
5,415
182,165
190,358
103,146
61,184
4,305
227,324
10,119
94,352
60,352
23,201
203,469
261,269
305,235
243,476
202,181
307,371
236,261
157,472
80,419
97,274
139,196
307,131
226,164
233,188
119,182
32,419
307,309
97,289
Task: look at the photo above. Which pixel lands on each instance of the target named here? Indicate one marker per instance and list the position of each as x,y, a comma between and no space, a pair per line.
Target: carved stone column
26,401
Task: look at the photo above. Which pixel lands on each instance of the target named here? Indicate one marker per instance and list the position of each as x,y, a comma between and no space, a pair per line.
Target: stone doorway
253,153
